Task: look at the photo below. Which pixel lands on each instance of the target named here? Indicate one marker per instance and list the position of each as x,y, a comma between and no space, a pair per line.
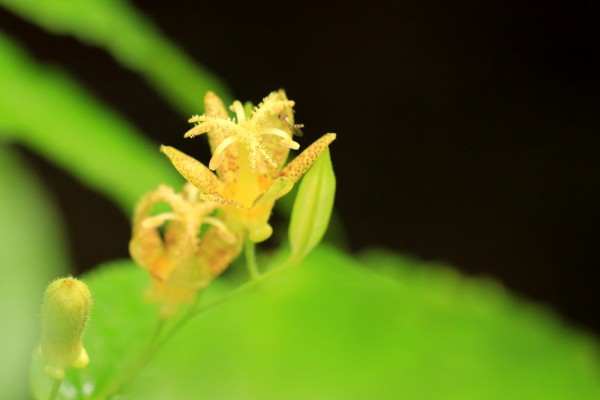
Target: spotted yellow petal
217,198
216,253
299,165
213,105
146,245
279,188
193,170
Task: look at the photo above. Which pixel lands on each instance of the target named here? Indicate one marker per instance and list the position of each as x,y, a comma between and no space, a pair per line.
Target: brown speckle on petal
299,165
193,170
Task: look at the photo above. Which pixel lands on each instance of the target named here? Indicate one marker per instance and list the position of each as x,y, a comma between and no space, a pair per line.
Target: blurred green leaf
132,39
312,207
331,329
49,113
32,252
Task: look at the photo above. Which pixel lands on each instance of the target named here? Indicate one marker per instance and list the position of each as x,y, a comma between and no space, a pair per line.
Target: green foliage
32,251
331,329
54,116
312,207
132,39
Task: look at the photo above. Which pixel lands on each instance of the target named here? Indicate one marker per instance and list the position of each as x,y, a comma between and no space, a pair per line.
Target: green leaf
132,39
32,252
332,329
312,207
46,111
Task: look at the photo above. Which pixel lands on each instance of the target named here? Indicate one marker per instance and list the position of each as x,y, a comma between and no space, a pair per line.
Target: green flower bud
65,311
312,207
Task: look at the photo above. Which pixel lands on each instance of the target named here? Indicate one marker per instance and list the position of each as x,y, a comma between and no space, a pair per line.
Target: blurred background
467,132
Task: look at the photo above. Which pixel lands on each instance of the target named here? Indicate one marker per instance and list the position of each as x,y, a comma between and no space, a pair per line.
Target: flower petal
279,188
193,170
217,198
216,253
299,165
213,105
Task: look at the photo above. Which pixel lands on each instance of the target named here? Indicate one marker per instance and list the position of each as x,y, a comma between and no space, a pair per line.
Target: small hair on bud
65,312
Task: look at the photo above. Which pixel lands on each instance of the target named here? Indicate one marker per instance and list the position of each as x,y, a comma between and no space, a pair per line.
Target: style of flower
248,155
179,261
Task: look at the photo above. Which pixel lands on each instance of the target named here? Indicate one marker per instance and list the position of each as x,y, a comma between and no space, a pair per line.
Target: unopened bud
65,311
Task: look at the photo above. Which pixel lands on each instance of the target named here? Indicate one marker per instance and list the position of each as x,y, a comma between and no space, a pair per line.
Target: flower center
249,133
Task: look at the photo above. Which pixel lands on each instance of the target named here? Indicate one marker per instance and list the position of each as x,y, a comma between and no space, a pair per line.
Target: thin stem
55,389
251,260
158,328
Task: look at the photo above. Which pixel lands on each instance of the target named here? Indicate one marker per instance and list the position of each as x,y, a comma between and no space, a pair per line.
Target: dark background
467,132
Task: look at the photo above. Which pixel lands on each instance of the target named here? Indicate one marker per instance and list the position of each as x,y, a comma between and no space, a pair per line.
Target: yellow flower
180,263
248,156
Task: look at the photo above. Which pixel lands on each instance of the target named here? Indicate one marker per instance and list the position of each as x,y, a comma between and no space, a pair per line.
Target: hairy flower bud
65,311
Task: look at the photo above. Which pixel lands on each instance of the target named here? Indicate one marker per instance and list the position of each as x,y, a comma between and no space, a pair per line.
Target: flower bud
65,311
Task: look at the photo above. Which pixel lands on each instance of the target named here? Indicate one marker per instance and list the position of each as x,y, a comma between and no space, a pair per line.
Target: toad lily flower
248,155
180,263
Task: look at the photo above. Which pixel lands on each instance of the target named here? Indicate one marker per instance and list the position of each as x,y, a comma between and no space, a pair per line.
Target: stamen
261,166
217,157
276,132
266,156
158,220
222,228
287,141
291,144
296,128
239,111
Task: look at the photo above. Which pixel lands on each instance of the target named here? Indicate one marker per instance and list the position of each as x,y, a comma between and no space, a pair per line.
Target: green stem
55,389
155,335
288,264
251,260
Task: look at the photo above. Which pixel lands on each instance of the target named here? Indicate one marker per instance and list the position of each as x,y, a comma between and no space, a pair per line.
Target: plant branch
55,389
251,264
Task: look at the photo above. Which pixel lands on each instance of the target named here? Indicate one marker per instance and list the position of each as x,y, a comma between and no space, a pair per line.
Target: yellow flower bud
65,311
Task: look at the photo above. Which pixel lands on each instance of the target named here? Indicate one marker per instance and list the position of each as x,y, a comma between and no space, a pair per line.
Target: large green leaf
331,329
132,39
49,113
32,252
